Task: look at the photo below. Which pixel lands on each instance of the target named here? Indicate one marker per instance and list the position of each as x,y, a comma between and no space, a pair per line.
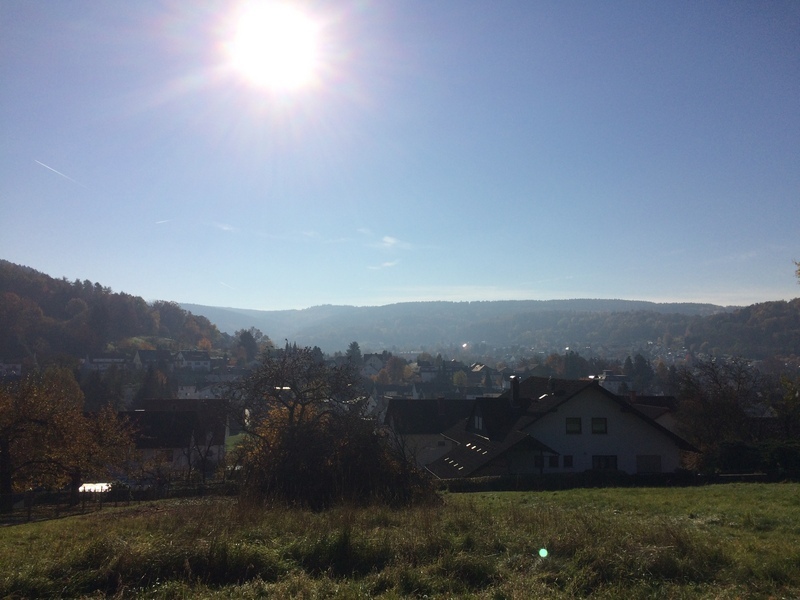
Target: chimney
514,390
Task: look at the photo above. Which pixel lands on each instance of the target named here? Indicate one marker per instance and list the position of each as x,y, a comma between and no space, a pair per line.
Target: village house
103,362
544,425
373,363
144,359
418,425
661,409
180,434
616,384
194,360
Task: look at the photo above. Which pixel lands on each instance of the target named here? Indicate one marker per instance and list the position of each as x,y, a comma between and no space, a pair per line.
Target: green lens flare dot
543,552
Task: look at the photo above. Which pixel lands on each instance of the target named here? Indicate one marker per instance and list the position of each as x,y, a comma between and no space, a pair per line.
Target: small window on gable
553,461
599,425
573,425
538,461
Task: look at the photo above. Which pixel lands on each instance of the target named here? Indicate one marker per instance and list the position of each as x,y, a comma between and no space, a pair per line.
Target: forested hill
43,316
46,317
608,327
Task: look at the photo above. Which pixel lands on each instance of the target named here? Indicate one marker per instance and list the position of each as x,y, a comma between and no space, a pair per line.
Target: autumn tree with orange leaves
47,441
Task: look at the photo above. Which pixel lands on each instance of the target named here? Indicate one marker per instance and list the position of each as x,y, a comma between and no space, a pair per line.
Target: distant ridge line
428,323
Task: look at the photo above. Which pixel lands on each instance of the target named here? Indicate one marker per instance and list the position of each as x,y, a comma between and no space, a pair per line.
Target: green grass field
723,541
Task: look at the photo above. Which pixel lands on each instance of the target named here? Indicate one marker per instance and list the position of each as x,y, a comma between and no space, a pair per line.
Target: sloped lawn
724,541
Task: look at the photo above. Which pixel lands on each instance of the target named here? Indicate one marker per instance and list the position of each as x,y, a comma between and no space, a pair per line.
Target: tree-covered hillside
46,317
611,328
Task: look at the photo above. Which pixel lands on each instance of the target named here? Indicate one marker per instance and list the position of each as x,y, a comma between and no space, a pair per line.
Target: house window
573,424
538,461
568,461
478,422
553,462
602,462
599,425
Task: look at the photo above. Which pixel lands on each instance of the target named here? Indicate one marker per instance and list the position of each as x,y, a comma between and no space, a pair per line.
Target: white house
558,426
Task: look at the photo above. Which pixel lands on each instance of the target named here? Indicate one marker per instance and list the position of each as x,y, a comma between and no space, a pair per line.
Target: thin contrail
227,286
162,222
57,172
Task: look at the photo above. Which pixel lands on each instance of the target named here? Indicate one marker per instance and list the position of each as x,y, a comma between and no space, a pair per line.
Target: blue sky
449,150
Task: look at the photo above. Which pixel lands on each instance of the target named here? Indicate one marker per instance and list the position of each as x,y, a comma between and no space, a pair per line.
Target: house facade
595,430
144,359
558,426
194,360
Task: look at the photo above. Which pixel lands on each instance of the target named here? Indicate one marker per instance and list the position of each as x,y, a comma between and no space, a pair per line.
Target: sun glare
275,46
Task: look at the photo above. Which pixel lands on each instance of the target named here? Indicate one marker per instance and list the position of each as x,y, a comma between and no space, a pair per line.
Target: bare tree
310,441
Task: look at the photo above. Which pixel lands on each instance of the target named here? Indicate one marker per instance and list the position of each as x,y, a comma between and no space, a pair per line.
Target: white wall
627,437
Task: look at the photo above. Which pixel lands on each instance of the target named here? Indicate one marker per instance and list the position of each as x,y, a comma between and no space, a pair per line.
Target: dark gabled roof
154,355
195,355
425,416
162,429
107,356
172,423
537,387
537,397
651,412
475,453
393,389
667,402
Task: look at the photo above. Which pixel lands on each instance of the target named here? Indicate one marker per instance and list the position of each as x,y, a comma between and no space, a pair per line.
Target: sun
275,46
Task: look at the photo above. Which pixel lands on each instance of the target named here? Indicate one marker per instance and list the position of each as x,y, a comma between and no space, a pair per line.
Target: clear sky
427,150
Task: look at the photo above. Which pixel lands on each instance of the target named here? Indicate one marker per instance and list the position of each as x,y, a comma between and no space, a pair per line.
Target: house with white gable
373,363
546,425
195,360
